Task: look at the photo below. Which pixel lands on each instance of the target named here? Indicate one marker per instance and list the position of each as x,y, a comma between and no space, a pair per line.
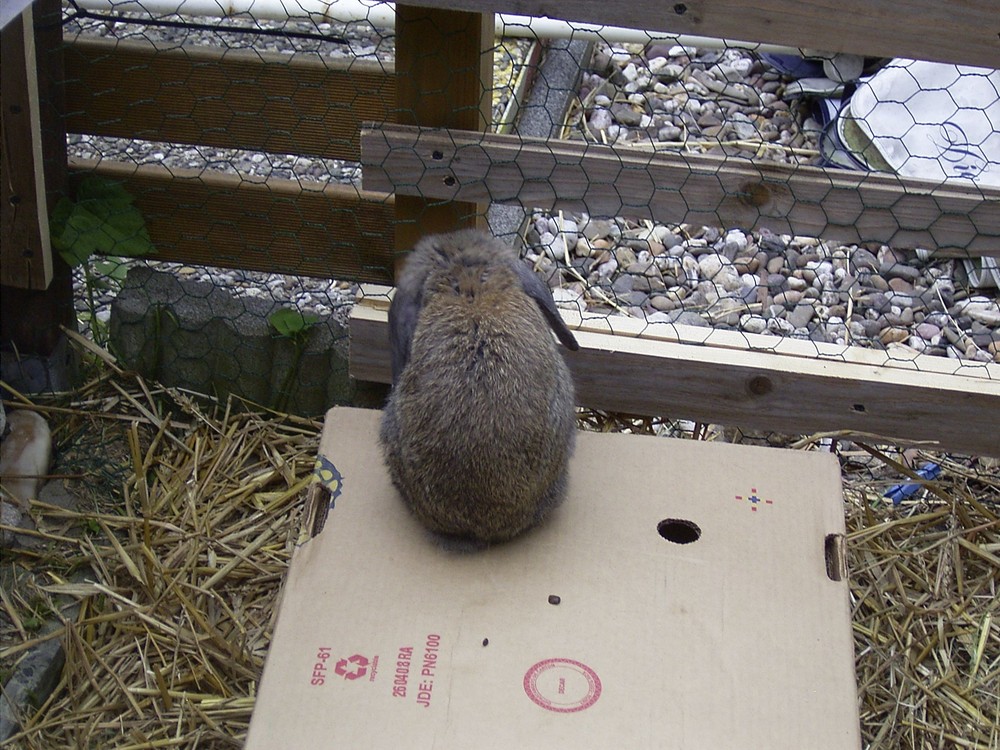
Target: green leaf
112,268
59,218
290,323
103,220
80,237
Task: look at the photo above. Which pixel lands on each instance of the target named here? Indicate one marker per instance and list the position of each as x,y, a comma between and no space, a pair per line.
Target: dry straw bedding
163,584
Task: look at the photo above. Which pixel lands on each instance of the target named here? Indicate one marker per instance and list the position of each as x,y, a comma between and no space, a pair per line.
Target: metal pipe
382,15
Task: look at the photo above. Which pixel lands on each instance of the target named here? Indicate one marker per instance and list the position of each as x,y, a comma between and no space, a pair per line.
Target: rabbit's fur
25,456
480,423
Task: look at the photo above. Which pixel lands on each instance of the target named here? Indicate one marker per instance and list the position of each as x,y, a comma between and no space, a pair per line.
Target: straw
162,584
174,556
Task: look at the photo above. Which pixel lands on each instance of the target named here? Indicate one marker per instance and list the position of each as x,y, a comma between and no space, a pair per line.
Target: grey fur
480,423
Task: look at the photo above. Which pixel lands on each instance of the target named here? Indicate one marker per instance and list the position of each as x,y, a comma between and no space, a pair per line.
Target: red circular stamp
562,685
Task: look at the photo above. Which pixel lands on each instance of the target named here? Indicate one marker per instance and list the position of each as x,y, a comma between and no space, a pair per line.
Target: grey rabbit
480,423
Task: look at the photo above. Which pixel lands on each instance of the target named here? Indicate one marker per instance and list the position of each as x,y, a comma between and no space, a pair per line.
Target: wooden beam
444,78
752,388
675,187
378,297
277,226
32,320
965,32
25,249
242,99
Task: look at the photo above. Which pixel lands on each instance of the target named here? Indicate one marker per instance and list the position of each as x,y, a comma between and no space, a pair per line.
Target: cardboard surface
592,631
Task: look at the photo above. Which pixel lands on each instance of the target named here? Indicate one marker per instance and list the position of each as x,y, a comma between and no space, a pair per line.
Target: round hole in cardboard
678,531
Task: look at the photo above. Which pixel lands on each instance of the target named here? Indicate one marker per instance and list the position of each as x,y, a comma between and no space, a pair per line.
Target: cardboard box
682,597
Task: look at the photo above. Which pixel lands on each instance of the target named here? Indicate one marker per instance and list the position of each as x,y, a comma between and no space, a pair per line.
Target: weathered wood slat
962,32
377,297
243,99
752,388
278,226
445,80
25,251
700,189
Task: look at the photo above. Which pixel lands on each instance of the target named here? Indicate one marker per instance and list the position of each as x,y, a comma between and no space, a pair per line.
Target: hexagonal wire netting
236,140
255,117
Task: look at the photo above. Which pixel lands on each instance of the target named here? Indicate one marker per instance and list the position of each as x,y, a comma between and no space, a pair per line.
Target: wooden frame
445,169
753,381
961,32
277,226
573,176
25,250
225,98
444,78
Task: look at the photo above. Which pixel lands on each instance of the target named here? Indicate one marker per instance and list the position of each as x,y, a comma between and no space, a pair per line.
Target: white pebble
729,279
780,326
619,55
753,323
711,263
568,298
600,119
690,266
735,241
547,241
656,64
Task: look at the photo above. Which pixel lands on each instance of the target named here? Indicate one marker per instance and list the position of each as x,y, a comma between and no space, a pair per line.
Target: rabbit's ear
535,288
403,314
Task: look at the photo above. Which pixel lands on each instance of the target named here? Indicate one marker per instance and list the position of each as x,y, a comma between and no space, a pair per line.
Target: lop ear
403,314
535,288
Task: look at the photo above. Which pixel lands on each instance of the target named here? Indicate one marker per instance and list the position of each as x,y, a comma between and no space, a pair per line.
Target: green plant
293,325
101,221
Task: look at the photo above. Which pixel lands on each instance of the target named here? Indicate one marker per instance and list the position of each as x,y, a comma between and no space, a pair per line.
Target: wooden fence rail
966,32
698,189
241,99
741,380
277,226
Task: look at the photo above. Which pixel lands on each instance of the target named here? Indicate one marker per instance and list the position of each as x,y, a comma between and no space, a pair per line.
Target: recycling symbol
352,667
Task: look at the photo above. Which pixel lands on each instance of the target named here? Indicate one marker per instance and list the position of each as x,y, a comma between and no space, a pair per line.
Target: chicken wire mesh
253,298
226,129
659,251
253,117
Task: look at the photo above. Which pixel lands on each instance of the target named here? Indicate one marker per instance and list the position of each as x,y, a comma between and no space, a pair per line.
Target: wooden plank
754,389
444,78
676,187
245,99
277,226
32,320
378,297
25,249
965,32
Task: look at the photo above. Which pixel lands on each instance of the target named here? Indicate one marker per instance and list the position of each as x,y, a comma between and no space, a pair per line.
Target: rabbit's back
480,424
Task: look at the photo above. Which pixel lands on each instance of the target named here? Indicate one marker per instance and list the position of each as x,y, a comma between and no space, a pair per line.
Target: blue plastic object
899,492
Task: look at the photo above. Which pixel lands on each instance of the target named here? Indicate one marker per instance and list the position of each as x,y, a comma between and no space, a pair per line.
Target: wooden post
25,251
444,77
30,319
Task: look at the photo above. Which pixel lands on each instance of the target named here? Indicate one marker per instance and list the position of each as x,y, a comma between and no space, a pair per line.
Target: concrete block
195,335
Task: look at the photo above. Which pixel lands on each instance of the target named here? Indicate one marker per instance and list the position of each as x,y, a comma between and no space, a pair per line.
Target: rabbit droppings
480,423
